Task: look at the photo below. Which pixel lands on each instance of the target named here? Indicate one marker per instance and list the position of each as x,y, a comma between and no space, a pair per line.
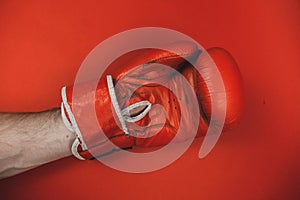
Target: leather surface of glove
138,102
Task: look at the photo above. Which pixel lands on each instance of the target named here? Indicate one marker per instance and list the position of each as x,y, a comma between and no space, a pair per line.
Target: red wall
42,44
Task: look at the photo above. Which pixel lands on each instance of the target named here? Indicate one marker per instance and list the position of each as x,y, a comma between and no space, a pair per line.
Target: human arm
28,140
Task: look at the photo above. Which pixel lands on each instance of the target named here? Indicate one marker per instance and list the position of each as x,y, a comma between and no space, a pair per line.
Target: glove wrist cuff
70,122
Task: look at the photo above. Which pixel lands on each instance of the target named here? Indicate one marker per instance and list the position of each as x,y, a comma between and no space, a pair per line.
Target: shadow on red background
44,42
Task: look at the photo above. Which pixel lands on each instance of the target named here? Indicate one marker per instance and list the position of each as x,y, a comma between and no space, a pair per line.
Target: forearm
28,140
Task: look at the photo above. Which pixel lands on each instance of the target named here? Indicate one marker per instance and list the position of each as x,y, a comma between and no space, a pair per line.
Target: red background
42,44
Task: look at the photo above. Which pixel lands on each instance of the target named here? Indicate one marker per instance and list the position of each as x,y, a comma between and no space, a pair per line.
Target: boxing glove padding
125,104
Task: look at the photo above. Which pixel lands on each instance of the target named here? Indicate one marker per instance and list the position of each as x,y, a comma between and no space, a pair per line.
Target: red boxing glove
134,110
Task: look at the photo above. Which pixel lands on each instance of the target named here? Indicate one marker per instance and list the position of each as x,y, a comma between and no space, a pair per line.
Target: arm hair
28,140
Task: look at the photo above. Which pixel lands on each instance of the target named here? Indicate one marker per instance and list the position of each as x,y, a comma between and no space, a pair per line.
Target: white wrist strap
65,119
123,116
72,125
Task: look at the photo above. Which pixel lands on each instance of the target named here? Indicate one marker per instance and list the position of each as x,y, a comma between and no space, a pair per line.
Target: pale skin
28,140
